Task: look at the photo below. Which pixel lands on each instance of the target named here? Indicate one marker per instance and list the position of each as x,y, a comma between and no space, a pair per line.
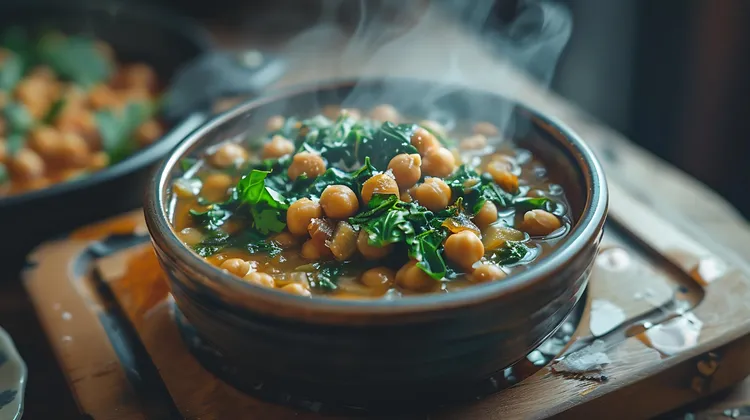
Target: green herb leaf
475,189
75,58
510,253
187,163
15,143
267,206
54,111
11,72
525,204
18,118
118,129
425,248
389,140
327,274
4,175
218,240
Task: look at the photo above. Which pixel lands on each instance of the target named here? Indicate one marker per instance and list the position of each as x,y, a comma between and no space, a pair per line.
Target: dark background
672,75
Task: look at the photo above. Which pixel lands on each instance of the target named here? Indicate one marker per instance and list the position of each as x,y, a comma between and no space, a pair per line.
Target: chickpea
439,162
275,123
191,236
500,172
413,278
434,194
486,129
540,223
236,266
27,164
285,240
139,76
405,197
371,252
215,186
487,272
378,278
343,243
486,216
148,132
45,140
73,150
424,141
102,96
228,154
385,112
315,250
351,113
379,184
297,289
331,111
260,279
477,141
464,248
3,150
406,169
300,214
306,163
339,202
34,94
278,146
98,160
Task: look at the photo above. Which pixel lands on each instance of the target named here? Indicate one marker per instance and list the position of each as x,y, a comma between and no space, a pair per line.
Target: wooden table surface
688,204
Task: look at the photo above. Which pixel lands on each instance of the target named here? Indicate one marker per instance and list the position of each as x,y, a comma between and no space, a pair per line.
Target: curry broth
290,267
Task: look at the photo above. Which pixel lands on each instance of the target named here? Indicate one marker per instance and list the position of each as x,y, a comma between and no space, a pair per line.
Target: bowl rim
184,26
165,240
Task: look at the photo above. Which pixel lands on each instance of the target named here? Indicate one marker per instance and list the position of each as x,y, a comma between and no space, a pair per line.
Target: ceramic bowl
12,379
385,353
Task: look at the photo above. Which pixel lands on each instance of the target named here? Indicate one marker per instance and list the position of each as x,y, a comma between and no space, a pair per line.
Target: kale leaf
389,140
267,206
511,253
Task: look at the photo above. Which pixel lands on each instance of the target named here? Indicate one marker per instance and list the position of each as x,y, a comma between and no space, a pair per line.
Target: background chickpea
299,215
406,169
464,248
148,132
306,163
439,162
540,223
379,184
73,150
371,252
297,289
275,123
139,76
424,141
433,126
412,278
102,96
477,141
433,193
486,216
228,154
486,129
236,266
27,164
500,172
331,111
44,140
98,160
487,272
378,277
385,112
339,202
277,147
260,279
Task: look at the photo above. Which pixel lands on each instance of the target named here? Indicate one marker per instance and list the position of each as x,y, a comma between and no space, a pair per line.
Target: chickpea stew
68,108
347,206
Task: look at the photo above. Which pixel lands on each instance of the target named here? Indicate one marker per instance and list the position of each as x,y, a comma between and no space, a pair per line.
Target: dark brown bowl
383,353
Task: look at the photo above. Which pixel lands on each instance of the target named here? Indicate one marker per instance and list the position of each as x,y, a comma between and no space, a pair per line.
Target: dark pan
137,33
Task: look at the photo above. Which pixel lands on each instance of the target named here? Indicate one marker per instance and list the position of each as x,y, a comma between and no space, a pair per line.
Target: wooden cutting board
670,316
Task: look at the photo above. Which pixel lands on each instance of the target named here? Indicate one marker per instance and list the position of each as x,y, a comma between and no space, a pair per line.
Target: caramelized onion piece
461,223
495,236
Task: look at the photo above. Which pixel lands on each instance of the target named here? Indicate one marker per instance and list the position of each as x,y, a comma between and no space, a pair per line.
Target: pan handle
219,74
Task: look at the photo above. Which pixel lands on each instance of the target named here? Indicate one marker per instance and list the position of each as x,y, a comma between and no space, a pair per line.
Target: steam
454,42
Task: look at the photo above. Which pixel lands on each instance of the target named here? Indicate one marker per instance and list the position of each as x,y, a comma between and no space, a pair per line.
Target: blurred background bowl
164,41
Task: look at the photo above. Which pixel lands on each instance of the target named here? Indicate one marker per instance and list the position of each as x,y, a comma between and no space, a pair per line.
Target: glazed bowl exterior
166,42
374,352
